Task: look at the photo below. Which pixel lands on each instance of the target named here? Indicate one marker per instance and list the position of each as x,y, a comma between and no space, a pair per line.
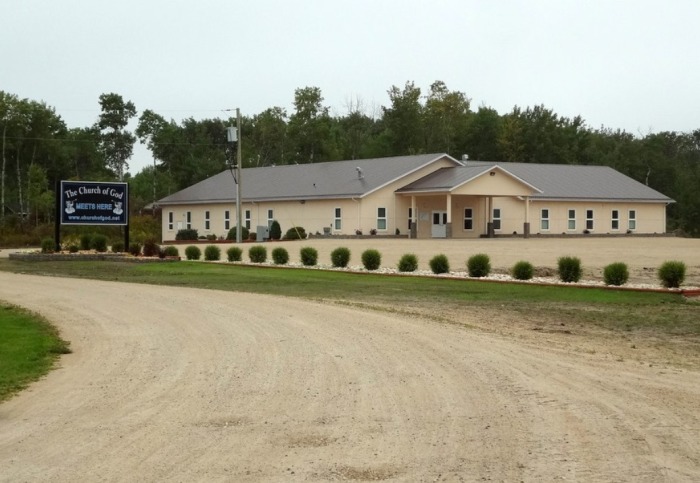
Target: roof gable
335,179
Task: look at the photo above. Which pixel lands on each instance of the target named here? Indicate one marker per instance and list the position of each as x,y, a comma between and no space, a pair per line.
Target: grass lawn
29,347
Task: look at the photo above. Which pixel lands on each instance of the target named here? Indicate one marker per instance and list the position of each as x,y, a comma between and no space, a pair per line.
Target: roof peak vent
360,174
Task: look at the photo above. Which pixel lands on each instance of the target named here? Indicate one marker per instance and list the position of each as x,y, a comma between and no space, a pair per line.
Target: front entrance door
439,227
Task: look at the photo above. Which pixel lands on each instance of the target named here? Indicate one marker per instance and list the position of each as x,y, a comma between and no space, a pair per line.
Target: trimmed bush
245,233
340,257
212,253
408,263
171,251
616,274
118,247
150,248
193,252
234,254
73,248
187,234
48,245
257,254
275,230
439,264
85,241
135,249
479,265
295,233
371,259
309,256
99,243
569,269
672,274
280,256
523,270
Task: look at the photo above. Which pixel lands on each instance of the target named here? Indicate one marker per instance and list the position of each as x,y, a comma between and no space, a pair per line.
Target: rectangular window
544,219
410,218
171,219
468,219
189,220
615,220
270,218
247,219
572,220
589,219
496,218
633,220
338,221
381,218
227,220
207,222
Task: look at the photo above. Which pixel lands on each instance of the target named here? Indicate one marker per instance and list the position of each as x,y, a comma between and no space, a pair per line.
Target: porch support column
490,233
413,232
448,225
526,225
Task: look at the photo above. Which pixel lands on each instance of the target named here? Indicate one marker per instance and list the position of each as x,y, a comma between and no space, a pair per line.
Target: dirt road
189,385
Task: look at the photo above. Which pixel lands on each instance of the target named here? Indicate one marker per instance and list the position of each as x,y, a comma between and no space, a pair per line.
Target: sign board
94,203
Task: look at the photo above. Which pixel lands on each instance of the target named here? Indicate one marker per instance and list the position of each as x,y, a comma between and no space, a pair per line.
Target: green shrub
245,233
85,241
99,243
135,249
616,274
275,230
672,274
73,248
187,234
280,256
234,254
309,256
569,269
48,245
171,251
371,259
523,270
118,247
479,265
212,253
295,233
340,257
150,248
193,252
439,264
257,254
408,263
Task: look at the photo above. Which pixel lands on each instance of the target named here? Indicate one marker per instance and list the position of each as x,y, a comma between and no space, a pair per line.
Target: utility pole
234,136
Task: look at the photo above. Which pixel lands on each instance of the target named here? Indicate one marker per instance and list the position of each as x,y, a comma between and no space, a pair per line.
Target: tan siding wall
499,183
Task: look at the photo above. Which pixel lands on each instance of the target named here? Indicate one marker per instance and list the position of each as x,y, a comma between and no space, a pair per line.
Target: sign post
92,203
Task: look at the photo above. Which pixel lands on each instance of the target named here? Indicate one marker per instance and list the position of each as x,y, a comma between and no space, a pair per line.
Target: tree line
38,148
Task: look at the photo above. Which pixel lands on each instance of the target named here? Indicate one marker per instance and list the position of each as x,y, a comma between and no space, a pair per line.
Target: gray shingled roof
555,181
337,179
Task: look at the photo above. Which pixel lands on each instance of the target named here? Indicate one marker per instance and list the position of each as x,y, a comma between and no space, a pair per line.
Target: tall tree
446,118
116,143
309,128
403,120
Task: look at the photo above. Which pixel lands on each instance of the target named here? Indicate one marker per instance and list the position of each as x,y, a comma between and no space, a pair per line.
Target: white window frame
171,220
544,220
590,220
338,218
496,218
468,218
270,217
188,220
571,221
615,220
382,218
247,219
632,220
207,220
227,220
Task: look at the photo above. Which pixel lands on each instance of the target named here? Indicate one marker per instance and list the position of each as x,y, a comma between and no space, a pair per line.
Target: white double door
439,225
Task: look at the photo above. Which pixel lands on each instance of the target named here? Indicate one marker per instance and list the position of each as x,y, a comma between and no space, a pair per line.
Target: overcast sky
629,64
